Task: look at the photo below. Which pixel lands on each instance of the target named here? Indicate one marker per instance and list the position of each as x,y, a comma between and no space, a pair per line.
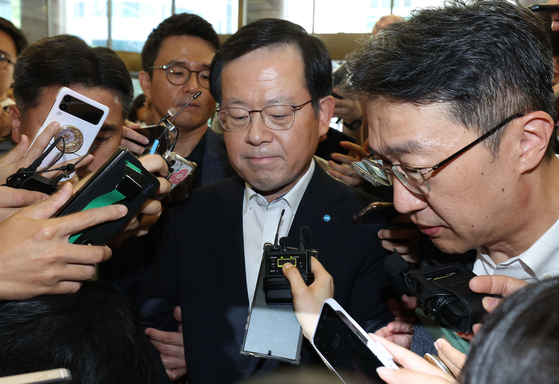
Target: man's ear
145,83
325,115
537,131
15,114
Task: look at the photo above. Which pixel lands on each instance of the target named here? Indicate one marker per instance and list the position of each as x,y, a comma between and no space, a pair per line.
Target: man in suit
273,82
176,62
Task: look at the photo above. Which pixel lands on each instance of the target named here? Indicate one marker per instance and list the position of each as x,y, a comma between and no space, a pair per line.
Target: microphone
276,247
396,265
188,102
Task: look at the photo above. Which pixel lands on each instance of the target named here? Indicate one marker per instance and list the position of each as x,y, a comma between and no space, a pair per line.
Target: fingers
42,142
411,303
357,149
407,358
77,222
164,337
404,376
178,314
130,137
18,198
496,285
155,163
50,205
344,174
453,358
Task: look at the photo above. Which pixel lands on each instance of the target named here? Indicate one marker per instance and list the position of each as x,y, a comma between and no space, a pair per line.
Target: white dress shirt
260,223
539,262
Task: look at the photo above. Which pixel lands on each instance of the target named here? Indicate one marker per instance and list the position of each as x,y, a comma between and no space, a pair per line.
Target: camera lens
63,106
67,98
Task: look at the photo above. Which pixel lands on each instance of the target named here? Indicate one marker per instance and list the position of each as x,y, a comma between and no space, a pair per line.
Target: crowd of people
456,107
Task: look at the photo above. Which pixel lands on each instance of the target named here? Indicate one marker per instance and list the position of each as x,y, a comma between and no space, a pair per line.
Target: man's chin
450,246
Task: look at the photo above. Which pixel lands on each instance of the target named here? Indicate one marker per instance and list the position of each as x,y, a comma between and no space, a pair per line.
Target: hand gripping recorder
180,169
276,286
443,289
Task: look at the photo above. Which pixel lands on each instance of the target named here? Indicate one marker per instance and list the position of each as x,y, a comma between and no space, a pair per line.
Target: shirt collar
542,258
292,197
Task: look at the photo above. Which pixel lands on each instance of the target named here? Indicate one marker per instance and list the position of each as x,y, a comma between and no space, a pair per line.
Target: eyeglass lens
277,117
179,75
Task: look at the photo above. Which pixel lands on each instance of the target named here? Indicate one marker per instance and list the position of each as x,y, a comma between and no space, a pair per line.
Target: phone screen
344,348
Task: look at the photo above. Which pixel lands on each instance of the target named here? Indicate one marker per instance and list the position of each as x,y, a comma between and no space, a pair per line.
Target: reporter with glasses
461,121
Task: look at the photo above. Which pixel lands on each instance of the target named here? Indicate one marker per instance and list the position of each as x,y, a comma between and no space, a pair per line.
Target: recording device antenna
184,106
276,246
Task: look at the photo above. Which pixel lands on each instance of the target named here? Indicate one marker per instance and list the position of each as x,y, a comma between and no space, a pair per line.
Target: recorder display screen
81,110
345,351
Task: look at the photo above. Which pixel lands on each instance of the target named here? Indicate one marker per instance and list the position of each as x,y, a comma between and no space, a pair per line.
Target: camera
276,286
443,289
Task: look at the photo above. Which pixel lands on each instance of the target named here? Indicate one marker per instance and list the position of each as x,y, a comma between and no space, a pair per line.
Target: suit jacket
200,264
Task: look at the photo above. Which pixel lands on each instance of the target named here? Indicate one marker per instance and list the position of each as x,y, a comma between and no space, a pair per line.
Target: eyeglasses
411,177
4,61
276,117
179,75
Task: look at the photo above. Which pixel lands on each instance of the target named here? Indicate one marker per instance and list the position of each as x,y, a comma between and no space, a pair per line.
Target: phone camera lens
63,106
67,98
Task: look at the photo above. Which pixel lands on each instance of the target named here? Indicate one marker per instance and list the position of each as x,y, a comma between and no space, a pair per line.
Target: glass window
133,21
297,11
88,20
223,15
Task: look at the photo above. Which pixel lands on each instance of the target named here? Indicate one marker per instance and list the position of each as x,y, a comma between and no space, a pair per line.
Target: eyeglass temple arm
481,138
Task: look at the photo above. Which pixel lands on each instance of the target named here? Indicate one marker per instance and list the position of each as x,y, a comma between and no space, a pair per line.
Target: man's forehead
400,128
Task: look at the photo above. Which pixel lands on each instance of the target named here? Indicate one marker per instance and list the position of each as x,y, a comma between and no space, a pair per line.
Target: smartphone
53,376
121,180
348,350
80,120
376,212
544,11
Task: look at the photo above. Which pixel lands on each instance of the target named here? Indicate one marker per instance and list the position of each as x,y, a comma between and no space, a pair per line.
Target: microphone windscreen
172,111
395,265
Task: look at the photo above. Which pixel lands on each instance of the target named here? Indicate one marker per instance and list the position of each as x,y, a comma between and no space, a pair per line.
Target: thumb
178,314
50,205
18,152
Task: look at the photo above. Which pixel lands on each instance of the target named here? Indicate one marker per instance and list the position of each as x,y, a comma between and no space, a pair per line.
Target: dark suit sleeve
159,294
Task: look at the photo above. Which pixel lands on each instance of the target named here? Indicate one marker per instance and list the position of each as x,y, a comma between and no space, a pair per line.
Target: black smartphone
347,348
544,11
121,179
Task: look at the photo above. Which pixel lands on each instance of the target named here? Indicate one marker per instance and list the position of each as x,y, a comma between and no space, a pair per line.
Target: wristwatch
354,124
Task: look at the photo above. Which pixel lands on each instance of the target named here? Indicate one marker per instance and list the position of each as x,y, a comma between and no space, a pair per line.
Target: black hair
15,33
271,33
181,24
67,60
95,333
519,341
137,104
484,60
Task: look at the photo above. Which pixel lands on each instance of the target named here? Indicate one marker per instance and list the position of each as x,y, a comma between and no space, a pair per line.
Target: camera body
276,286
80,120
443,289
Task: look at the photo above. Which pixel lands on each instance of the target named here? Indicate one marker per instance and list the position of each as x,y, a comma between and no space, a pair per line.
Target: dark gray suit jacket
200,265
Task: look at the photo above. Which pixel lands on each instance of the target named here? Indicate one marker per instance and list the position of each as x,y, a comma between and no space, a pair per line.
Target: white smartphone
80,120
53,376
348,350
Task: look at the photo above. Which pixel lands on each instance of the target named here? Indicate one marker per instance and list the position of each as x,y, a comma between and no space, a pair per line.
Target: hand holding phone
346,348
80,120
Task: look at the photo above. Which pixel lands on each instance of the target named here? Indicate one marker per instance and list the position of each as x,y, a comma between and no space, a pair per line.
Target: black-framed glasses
276,117
179,75
413,178
4,61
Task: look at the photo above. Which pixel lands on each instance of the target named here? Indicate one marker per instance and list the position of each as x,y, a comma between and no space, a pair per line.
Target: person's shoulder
210,192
